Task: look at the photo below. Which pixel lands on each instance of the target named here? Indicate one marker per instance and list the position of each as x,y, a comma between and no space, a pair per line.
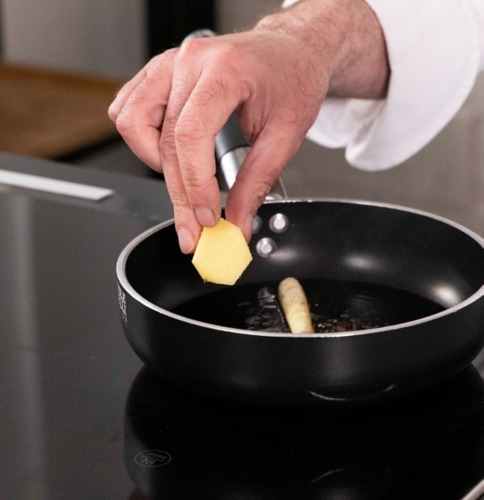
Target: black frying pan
373,264
397,296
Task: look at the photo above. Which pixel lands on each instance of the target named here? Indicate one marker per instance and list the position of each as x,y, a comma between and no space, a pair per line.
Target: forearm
344,37
435,49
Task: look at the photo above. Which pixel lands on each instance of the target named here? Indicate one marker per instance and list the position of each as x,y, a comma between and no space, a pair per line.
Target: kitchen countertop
140,197
65,366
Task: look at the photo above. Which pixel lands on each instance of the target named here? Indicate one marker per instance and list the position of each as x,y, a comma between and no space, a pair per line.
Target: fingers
259,171
139,108
123,93
169,114
186,147
139,111
187,155
202,99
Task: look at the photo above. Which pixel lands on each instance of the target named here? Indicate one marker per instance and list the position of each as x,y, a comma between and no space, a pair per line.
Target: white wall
103,37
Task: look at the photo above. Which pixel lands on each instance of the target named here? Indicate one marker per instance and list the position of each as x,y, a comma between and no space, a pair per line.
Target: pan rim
128,288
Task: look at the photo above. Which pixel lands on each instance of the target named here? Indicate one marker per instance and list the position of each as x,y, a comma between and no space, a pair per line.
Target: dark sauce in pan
336,306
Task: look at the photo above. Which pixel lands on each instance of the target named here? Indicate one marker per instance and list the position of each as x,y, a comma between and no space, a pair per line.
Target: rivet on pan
278,223
256,224
266,246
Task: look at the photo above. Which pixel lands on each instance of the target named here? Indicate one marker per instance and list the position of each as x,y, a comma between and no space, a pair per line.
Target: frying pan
328,240
408,287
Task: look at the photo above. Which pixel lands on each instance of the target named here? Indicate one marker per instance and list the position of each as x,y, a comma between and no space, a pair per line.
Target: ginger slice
222,254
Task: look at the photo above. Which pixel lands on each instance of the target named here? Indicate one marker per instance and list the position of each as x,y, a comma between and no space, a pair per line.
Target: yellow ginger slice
295,306
222,254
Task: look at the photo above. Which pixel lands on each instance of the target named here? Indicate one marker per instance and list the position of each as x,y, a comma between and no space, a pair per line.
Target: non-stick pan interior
377,246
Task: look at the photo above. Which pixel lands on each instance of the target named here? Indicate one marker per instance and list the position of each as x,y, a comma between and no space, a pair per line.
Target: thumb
259,171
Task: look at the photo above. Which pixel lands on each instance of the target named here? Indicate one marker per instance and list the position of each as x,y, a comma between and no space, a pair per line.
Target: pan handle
231,147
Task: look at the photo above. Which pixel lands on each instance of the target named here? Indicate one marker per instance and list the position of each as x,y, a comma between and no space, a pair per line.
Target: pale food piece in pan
222,254
295,306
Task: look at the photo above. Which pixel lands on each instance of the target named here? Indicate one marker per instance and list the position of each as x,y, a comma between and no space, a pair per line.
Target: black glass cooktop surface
181,446
81,418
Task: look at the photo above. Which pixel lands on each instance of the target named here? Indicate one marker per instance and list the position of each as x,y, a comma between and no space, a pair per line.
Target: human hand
275,76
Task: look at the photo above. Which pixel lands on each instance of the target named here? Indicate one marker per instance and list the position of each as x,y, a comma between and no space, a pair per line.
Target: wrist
342,38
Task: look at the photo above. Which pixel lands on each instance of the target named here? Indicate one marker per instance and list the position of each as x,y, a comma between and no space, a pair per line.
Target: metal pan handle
231,147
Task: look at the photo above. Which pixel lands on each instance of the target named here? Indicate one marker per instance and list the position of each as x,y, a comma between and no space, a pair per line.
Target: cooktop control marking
152,458
56,186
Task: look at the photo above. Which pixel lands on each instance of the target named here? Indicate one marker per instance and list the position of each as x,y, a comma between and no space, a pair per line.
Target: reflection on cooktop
180,446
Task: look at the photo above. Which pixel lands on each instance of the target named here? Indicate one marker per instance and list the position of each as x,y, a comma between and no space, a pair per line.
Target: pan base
336,306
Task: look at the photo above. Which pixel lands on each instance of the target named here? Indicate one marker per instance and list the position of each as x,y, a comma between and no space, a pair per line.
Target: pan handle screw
265,247
278,223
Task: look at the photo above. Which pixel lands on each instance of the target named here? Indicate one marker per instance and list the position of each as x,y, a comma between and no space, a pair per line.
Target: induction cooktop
181,446
81,418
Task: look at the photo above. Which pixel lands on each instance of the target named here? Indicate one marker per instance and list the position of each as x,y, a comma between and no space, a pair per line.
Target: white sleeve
436,49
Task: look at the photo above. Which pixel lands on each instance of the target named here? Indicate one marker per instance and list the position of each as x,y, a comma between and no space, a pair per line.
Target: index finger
198,108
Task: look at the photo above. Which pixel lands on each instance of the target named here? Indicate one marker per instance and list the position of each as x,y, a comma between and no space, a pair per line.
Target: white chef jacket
436,50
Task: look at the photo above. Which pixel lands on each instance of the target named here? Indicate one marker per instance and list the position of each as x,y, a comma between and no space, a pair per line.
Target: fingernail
185,240
205,216
248,227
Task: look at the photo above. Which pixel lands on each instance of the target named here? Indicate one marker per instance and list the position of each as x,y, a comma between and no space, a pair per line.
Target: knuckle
196,181
179,198
217,56
157,64
189,130
168,153
125,125
257,186
261,190
228,57
193,48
